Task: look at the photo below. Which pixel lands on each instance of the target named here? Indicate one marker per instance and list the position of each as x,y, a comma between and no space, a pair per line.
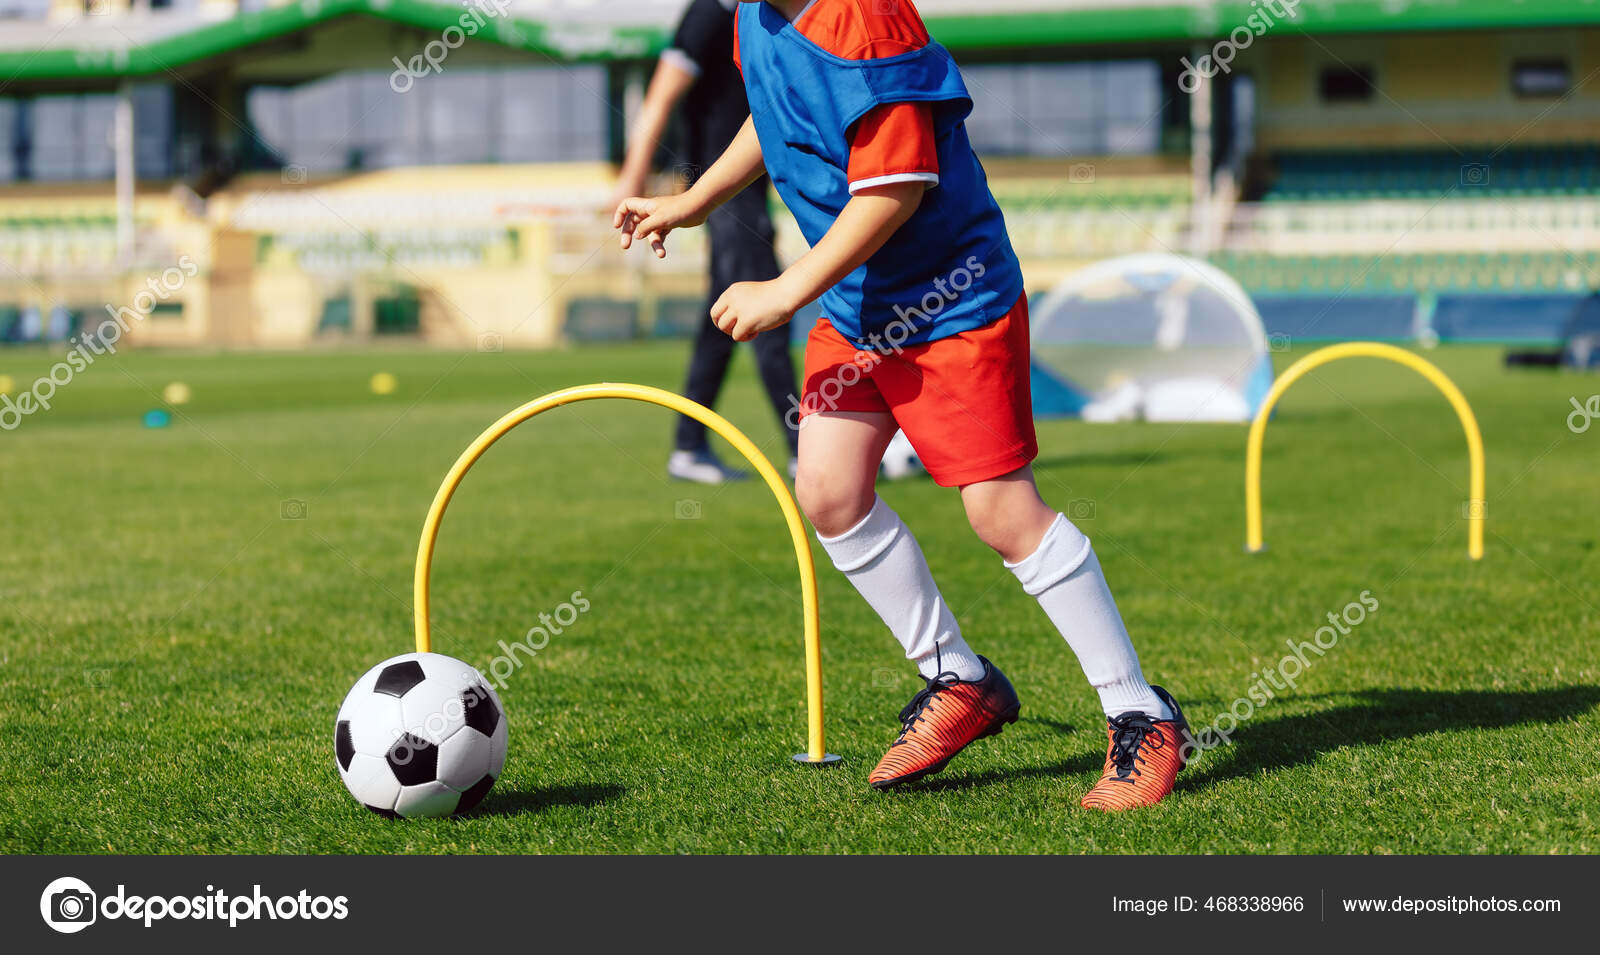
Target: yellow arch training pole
1476,507
816,753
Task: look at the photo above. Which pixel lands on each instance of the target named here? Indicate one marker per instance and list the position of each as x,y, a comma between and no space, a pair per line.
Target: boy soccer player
858,117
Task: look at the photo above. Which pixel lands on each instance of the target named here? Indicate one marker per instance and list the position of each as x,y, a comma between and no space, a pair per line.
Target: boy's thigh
839,455
965,401
846,443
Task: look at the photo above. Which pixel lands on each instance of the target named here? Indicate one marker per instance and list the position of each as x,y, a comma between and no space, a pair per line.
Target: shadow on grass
1265,745
1385,716
940,784
517,802
1059,726
951,783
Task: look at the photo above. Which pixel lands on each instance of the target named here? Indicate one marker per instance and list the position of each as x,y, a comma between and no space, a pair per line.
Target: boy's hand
747,309
654,219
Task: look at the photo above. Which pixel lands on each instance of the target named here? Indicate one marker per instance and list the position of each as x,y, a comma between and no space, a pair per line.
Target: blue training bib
951,267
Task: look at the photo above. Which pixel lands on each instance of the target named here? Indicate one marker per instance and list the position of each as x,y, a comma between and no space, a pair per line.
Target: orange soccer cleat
941,720
1142,761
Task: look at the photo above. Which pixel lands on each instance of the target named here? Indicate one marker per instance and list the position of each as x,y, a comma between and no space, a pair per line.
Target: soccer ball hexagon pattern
420,735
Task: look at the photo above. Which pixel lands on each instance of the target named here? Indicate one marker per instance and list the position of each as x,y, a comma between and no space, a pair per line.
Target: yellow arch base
816,753
1476,507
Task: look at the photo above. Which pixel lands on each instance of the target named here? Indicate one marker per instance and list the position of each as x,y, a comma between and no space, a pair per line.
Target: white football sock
1065,576
883,561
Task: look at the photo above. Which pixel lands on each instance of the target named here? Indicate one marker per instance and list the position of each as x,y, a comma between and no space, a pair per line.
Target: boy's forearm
867,222
739,166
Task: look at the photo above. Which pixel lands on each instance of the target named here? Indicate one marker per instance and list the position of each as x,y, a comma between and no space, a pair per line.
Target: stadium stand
1471,172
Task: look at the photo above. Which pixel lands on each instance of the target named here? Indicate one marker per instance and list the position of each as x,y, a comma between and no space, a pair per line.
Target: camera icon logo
68,905
292,510
294,174
685,175
1081,510
1474,510
687,510
491,342
1475,174
1081,173
1279,342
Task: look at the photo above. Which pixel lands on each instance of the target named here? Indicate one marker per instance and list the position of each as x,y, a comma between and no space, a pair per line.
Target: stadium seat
1472,173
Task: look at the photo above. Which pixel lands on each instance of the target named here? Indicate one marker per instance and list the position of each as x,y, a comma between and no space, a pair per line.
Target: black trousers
741,251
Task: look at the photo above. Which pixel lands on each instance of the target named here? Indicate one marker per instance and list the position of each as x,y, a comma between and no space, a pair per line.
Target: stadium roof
282,42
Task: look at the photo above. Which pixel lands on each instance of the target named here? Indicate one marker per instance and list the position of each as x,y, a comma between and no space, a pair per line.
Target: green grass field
173,650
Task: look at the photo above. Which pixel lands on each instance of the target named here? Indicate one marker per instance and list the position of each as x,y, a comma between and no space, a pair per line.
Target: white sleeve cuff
931,178
682,61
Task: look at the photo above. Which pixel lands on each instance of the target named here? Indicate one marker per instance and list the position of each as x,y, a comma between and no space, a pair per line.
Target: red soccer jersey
893,143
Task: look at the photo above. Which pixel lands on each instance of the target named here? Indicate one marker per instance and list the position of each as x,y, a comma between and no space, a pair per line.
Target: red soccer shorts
964,401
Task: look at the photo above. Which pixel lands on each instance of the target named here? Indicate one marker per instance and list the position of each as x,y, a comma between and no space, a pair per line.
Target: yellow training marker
176,393
816,753
7,384
384,383
1476,507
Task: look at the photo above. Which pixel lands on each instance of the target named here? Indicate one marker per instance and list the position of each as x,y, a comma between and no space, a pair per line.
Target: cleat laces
1131,733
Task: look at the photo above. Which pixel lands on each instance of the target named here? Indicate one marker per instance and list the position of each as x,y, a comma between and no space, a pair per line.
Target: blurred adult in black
699,72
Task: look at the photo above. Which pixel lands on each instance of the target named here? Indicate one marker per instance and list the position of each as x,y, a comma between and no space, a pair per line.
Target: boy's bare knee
832,506
990,526
1011,534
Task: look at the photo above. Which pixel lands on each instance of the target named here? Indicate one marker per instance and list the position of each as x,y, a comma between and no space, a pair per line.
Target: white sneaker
701,467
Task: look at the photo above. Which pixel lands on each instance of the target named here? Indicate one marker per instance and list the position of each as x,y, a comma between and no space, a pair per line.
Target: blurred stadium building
345,169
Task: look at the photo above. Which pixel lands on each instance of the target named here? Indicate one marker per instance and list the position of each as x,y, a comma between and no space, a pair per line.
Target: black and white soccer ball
420,735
